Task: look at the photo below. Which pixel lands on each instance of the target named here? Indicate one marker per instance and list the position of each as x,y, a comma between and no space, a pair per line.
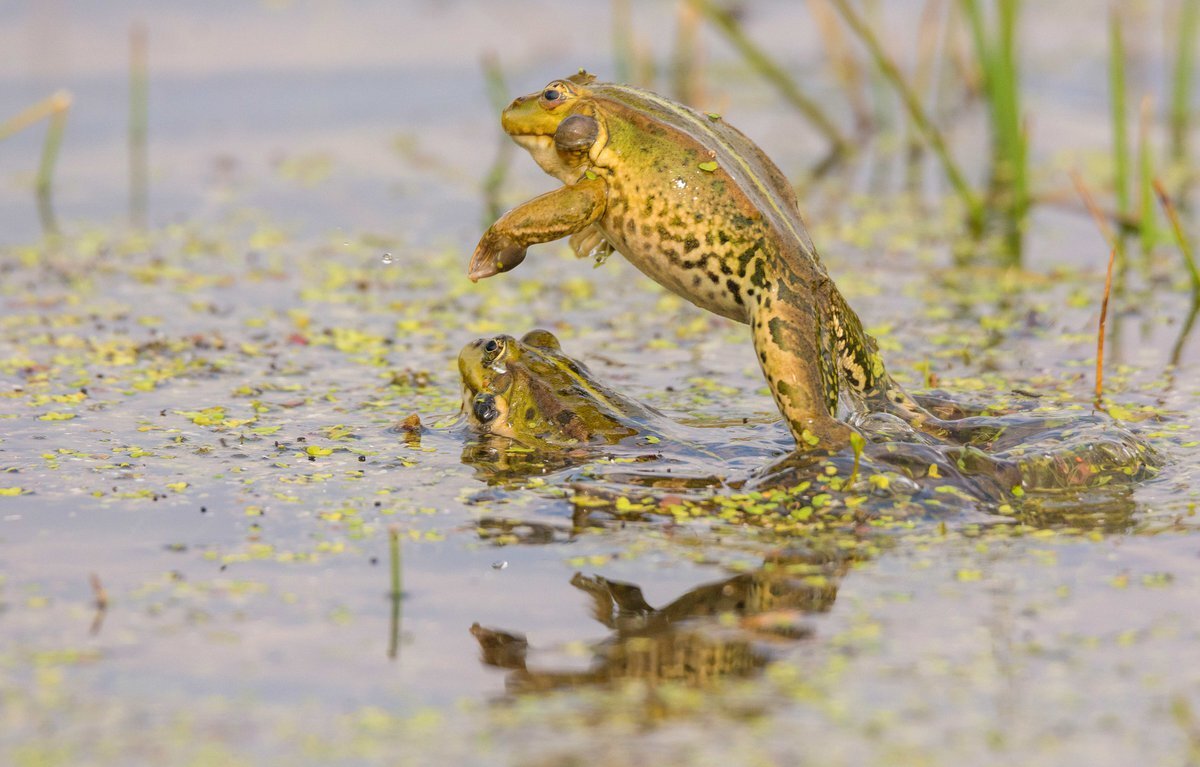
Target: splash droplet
387,259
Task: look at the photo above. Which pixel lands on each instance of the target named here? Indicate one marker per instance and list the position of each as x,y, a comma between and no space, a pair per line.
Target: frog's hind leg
790,343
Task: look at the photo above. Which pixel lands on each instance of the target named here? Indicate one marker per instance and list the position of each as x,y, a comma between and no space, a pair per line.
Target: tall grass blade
622,40
916,112
1181,81
773,73
1185,247
497,174
54,109
1120,132
139,170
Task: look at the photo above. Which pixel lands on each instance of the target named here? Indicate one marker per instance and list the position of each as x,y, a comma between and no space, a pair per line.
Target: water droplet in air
387,258
499,565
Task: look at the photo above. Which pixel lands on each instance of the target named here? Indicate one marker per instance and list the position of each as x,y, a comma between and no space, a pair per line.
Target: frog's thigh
787,341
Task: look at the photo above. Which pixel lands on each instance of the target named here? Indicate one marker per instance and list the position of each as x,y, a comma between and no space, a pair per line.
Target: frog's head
558,125
529,391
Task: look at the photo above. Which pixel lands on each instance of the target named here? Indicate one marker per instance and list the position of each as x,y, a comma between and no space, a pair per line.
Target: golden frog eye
493,348
555,94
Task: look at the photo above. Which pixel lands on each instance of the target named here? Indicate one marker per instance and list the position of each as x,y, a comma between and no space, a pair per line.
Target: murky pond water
204,422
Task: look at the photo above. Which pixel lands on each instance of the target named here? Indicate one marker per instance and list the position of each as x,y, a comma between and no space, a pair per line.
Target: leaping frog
698,207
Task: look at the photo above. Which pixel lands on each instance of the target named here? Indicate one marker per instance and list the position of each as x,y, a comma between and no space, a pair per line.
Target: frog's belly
699,280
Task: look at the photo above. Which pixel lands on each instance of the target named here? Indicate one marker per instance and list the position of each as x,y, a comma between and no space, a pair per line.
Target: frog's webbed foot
548,217
497,252
590,243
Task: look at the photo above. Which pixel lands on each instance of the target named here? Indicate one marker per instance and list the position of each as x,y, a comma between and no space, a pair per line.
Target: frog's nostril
485,408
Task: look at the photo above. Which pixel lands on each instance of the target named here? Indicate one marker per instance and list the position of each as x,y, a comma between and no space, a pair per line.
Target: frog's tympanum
699,208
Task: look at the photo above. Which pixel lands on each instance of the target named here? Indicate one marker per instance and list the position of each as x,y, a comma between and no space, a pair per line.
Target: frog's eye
492,346
554,95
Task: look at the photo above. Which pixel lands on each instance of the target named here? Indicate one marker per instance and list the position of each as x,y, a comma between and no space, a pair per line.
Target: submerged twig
771,71
100,601
1112,257
396,593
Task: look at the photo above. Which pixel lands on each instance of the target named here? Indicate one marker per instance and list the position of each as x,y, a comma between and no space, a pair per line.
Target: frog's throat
543,151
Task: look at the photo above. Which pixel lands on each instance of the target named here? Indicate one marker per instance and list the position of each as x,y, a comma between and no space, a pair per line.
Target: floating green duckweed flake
12,491
56,416
318,450
708,167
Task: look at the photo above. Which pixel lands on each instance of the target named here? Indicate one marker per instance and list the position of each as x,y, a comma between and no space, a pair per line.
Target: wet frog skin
529,391
696,206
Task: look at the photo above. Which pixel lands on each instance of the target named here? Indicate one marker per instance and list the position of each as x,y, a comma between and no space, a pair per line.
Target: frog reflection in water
716,630
531,393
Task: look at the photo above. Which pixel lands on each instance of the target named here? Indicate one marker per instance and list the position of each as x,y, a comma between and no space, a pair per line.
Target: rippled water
208,418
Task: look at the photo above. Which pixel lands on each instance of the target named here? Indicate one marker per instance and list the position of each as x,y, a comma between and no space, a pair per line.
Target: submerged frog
699,208
530,392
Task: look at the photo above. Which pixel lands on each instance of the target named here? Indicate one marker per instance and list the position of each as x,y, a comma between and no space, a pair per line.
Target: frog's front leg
790,343
548,217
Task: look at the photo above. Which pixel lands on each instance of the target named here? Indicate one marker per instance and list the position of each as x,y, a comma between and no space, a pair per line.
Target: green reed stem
139,170
1001,86
1146,224
1185,247
54,109
773,73
497,174
1181,85
397,591
916,112
685,63
1120,131
622,40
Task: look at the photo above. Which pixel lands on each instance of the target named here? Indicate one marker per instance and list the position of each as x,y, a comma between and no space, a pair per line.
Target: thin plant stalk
1147,227
998,62
846,67
685,64
1181,239
54,109
1097,215
497,174
622,40
932,134
139,172
1112,257
773,73
1120,132
397,593
1181,81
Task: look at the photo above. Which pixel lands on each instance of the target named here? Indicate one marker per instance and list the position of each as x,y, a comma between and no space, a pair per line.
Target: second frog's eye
551,94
